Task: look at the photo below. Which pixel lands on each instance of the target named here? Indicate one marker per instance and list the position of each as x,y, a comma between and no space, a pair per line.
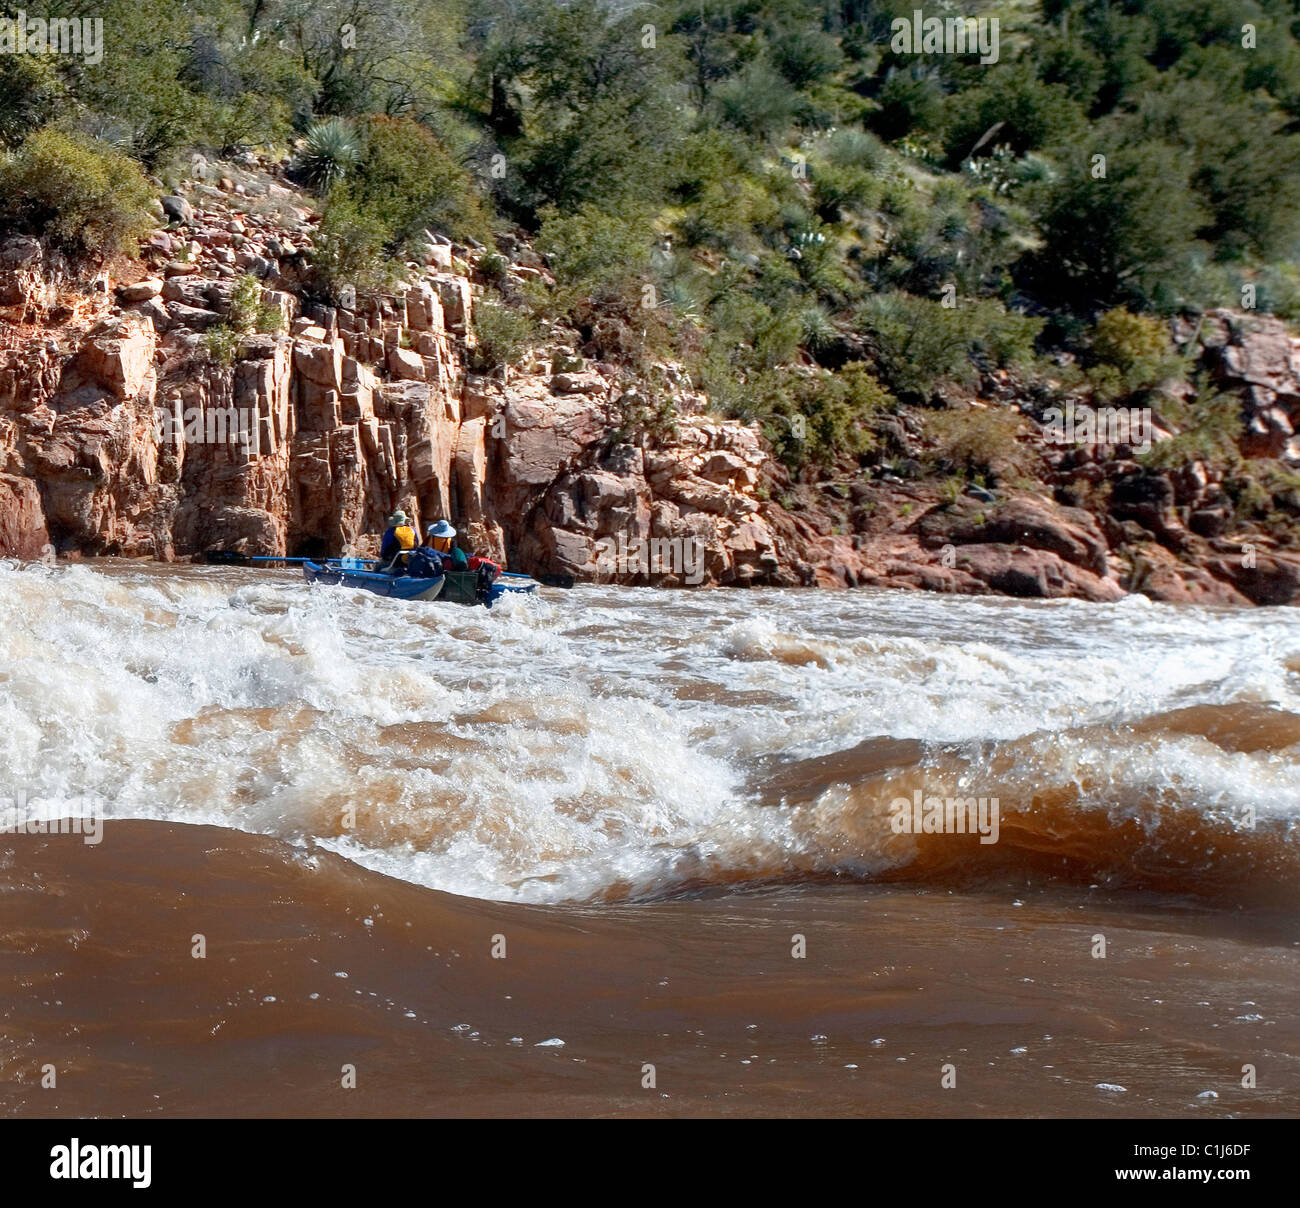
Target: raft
456,587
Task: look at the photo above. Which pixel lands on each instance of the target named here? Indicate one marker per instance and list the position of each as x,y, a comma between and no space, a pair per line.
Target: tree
1128,236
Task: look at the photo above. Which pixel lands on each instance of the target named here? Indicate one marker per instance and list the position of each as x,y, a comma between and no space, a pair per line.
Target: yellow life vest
405,536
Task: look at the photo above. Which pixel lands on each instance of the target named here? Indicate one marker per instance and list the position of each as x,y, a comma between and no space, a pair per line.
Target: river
636,852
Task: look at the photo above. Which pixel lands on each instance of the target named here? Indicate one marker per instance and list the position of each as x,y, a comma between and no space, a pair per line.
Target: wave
604,745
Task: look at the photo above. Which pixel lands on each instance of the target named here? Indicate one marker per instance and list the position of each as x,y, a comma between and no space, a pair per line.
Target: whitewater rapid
606,742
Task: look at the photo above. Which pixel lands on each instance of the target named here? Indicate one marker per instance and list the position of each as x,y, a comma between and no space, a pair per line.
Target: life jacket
396,541
493,568
453,559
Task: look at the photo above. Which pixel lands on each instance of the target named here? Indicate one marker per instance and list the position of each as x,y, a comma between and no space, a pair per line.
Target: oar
228,557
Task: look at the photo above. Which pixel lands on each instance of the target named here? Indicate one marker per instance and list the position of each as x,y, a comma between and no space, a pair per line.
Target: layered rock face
122,432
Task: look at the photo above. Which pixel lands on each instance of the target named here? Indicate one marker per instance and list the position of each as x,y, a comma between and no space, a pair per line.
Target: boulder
1266,579
1034,573
177,209
406,365
22,518
140,291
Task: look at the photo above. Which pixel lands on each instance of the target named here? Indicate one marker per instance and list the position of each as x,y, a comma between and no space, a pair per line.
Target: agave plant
817,329
331,150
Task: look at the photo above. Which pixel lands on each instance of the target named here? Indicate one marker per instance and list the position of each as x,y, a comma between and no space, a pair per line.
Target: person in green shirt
441,537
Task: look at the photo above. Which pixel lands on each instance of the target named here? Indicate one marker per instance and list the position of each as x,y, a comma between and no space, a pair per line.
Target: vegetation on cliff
825,228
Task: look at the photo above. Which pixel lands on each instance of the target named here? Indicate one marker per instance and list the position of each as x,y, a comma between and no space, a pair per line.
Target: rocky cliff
122,432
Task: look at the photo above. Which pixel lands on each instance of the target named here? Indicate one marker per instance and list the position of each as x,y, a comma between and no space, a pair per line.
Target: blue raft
458,587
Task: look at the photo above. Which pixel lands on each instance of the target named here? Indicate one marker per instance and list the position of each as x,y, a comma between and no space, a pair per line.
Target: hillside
877,280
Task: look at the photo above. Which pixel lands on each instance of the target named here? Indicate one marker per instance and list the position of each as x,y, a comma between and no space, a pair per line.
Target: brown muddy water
625,852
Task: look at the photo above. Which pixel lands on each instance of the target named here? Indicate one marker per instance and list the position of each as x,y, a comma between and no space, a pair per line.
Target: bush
501,334
79,194
1211,426
596,252
979,442
836,189
757,101
1004,337
1130,352
1126,340
331,150
916,342
30,93
1033,115
817,418
248,313
350,249
1129,237
910,97
408,181
848,148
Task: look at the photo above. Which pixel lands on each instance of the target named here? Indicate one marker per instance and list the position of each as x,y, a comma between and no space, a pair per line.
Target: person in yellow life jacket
440,542
399,538
442,539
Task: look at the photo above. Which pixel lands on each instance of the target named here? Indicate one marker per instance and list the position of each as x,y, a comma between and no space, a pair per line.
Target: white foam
595,739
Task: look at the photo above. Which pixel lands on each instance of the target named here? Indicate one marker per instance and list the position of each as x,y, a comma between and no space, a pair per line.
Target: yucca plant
332,149
817,328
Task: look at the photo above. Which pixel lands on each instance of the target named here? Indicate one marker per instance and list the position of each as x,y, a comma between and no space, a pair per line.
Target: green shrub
222,344
910,98
810,419
248,314
1128,237
30,93
1124,339
1210,428
1130,352
501,335
1005,337
757,101
836,189
836,410
916,341
978,442
596,252
247,121
1136,346
330,151
646,409
350,249
1032,114
409,181
80,194
492,268
848,148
